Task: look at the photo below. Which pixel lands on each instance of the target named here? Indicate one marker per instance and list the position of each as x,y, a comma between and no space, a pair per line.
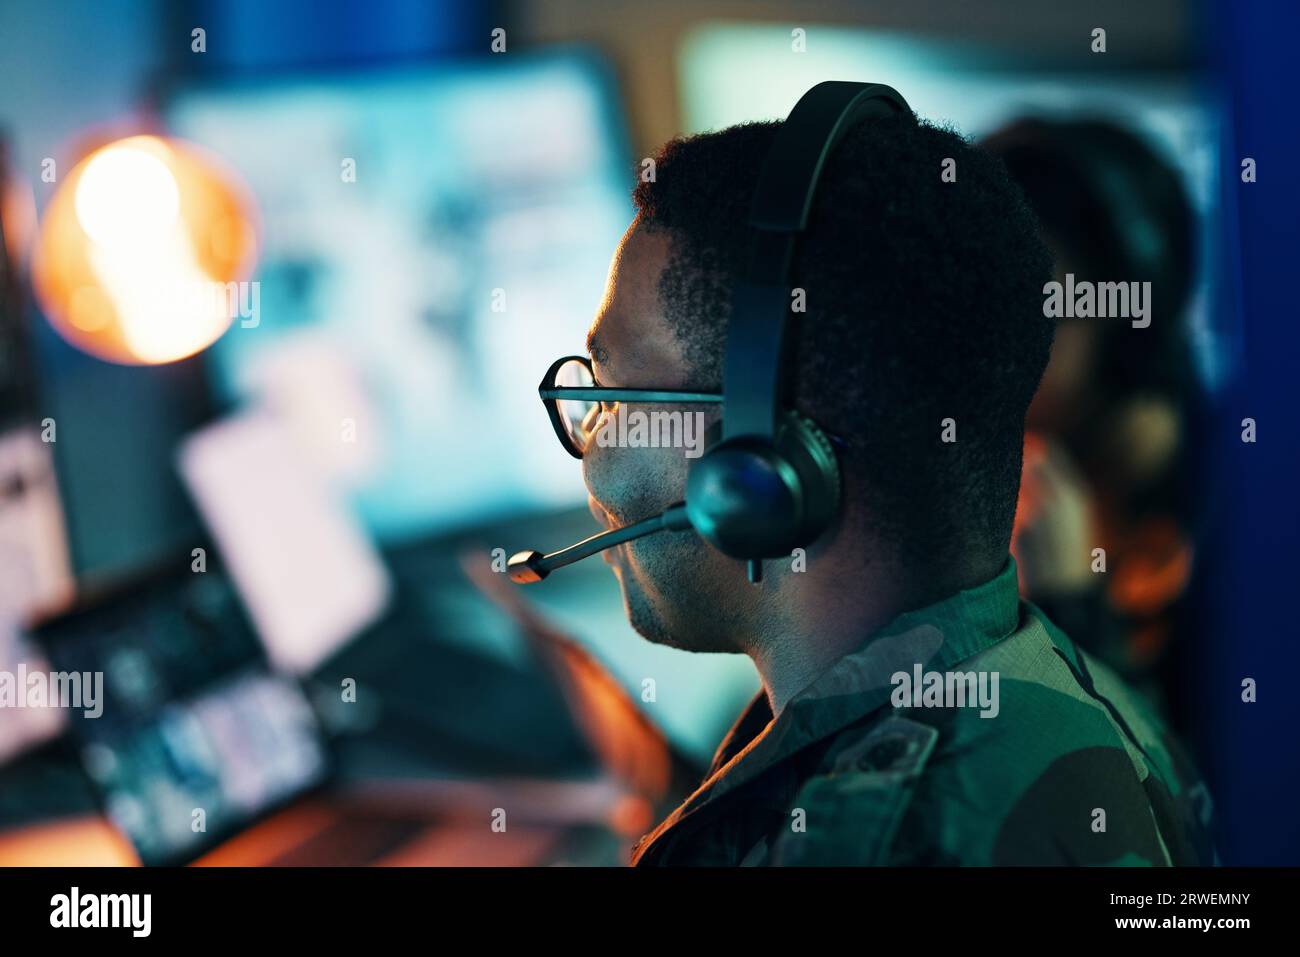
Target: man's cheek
610,480
598,474
634,483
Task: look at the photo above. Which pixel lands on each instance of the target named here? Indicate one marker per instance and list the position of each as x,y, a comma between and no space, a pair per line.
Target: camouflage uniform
1073,768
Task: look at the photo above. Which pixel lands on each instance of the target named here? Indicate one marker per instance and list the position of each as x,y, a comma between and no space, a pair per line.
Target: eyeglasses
574,401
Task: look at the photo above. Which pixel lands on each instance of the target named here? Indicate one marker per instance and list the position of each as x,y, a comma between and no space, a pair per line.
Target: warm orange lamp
141,250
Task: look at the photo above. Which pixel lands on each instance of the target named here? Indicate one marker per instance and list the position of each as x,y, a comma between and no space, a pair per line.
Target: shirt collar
937,637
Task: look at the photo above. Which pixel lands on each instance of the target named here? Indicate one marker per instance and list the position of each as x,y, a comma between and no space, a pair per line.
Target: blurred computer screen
429,237
726,78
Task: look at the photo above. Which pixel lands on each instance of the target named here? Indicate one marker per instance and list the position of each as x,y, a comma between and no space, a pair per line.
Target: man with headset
854,298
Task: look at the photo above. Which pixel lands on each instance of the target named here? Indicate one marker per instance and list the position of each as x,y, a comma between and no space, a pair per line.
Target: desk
308,836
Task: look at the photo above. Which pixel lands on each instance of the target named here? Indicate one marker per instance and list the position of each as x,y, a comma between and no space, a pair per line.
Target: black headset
772,484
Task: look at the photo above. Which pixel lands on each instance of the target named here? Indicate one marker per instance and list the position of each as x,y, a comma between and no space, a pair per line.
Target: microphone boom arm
532,566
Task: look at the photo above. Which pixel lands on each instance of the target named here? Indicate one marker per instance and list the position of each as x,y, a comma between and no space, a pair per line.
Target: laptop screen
184,731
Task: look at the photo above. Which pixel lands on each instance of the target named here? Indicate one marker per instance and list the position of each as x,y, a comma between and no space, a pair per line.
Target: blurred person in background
1109,453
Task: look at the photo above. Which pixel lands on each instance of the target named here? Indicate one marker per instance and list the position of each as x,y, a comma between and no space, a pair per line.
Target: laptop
188,736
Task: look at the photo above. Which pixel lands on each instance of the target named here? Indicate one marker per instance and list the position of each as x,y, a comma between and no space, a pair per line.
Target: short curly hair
924,298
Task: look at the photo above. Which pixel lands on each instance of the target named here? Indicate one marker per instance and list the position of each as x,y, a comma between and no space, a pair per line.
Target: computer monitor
430,240
726,77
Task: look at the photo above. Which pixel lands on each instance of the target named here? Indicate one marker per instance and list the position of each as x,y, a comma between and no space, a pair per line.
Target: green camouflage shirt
969,732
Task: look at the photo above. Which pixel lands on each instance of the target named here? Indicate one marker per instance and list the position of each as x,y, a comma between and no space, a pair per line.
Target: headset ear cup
742,498
809,451
751,499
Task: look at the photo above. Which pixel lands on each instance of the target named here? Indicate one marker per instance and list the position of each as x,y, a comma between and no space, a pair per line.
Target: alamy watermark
1098,300
229,300
946,689
638,429
53,689
133,912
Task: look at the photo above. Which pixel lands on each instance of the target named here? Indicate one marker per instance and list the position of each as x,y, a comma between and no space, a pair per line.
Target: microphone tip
524,569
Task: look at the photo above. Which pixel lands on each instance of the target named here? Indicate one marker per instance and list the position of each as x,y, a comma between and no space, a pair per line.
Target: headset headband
783,198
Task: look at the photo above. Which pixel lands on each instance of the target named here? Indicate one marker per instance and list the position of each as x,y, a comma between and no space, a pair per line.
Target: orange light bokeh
137,247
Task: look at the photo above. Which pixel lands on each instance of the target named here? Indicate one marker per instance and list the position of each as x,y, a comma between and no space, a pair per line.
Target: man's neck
819,623
814,620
